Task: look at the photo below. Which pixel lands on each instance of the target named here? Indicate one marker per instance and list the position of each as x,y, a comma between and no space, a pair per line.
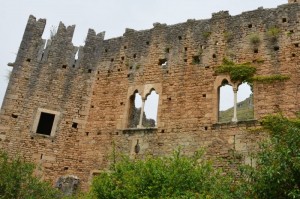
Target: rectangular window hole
167,50
255,50
249,25
64,66
14,116
204,95
185,49
119,69
87,133
125,47
207,67
169,98
122,58
73,66
147,42
92,106
90,71
66,168
185,60
206,128
45,123
41,156
163,131
293,55
28,60
121,103
112,59
284,20
74,125
134,55
106,50
162,62
297,45
276,48
214,56
196,60
179,37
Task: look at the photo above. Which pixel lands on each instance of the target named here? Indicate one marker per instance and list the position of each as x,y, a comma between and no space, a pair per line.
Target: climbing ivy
270,78
237,72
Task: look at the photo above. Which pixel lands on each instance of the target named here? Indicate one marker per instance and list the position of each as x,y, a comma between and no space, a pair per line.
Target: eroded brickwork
92,93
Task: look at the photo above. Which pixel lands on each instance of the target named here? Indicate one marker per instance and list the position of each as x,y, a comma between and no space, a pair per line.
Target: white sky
112,16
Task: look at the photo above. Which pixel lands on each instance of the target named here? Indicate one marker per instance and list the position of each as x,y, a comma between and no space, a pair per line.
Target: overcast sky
112,16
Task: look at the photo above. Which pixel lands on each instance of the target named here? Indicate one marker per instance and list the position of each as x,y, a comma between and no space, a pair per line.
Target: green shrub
277,174
17,181
254,39
166,177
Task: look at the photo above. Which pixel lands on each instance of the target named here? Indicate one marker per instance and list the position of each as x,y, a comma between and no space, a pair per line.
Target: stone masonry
65,113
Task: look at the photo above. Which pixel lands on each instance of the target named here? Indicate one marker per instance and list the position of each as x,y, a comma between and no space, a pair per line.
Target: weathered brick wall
95,93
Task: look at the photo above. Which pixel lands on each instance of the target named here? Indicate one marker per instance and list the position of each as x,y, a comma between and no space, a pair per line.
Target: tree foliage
17,181
277,174
177,176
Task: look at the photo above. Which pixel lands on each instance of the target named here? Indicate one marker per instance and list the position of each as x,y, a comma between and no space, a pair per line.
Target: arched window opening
150,110
245,102
134,110
226,102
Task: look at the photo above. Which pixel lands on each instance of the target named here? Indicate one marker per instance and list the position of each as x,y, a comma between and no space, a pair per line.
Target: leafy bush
277,174
167,177
17,181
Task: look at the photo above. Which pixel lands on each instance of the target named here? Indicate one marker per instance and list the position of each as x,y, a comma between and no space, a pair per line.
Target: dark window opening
28,60
112,60
206,128
185,60
14,116
45,123
250,26
293,55
196,60
125,47
167,50
297,45
276,48
122,58
106,50
162,62
147,43
255,50
283,20
185,48
214,56
204,95
179,37
134,55
64,66
90,71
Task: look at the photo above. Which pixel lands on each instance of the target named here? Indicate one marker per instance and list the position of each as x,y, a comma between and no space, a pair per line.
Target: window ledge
42,136
245,123
140,130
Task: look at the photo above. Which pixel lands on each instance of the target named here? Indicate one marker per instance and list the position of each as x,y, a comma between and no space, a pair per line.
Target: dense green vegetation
17,181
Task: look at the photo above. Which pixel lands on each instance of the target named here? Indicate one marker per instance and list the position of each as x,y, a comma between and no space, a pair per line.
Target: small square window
45,122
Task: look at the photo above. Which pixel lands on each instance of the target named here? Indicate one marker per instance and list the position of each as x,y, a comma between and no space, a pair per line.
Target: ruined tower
66,112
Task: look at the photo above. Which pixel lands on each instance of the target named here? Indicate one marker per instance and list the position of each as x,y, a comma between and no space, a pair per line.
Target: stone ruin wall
91,94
